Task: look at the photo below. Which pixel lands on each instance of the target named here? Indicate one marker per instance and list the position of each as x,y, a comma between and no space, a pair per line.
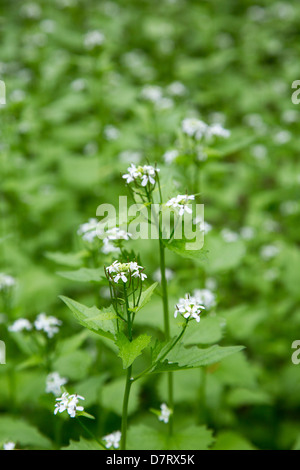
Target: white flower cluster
68,402
141,175
113,236
93,39
189,307
168,273
124,271
181,202
199,129
9,446
48,324
88,231
268,252
205,297
170,155
20,325
6,281
54,382
154,94
165,413
112,440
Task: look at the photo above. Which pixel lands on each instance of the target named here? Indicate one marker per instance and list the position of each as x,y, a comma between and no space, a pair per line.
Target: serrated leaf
145,297
181,358
130,350
99,321
208,331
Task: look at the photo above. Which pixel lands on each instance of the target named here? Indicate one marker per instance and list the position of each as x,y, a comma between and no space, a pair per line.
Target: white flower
194,128
152,93
229,236
54,382
189,307
247,233
88,231
68,402
111,132
282,137
170,156
112,440
113,236
165,413
124,271
128,156
141,174
79,84
48,324
164,103
117,234
181,202
20,325
259,152
93,39
217,130
176,89
109,248
269,251
6,281
203,225
31,10
9,446
168,273
205,297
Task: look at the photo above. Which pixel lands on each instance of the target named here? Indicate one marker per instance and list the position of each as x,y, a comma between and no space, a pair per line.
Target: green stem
90,433
125,408
166,326
128,380
150,368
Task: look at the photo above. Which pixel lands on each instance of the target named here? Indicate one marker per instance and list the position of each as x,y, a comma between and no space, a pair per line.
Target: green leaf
229,440
142,437
74,365
69,345
180,247
145,297
222,255
181,358
208,331
130,350
83,444
21,432
101,322
83,275
245,397
67,259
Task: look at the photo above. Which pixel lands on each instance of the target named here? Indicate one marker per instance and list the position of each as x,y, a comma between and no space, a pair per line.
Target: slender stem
128,380
90,433
150,368
164,289
125,408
